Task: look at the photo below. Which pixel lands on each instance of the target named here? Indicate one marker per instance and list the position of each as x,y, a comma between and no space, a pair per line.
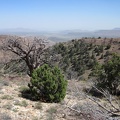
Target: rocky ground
14,107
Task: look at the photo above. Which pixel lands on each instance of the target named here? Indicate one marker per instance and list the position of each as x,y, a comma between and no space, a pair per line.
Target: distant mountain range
59,36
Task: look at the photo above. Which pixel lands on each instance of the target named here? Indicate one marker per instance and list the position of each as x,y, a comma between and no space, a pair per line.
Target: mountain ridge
64,35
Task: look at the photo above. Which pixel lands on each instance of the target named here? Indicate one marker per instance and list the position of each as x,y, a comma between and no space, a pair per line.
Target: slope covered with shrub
73,57
76,56
108,75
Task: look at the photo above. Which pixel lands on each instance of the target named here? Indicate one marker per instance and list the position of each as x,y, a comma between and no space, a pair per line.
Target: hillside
76,59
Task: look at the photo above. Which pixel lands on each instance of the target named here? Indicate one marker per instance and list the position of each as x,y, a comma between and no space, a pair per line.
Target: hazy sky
60,14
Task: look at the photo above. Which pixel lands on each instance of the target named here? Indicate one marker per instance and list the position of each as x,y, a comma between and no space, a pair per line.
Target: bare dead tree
112,104
31,51
92,108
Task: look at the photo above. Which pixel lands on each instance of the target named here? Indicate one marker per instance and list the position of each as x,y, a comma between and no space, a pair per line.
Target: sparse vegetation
21,103
8,97
108,47
8,106
4,83
4,116
51,113
76,60
23,89
24,103
38,105
52,110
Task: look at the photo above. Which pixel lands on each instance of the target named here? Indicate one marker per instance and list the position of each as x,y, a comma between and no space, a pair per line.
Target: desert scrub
23,88
8,106
25,92
38,106
52,110
4,83
24,103
7,97
21,103
35,118
15,110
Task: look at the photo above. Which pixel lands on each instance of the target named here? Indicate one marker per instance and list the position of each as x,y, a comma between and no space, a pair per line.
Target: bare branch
114,111
31,51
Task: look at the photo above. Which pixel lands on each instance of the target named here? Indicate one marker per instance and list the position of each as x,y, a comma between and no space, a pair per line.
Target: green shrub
99,37
102,56
108,76
108,47
48,84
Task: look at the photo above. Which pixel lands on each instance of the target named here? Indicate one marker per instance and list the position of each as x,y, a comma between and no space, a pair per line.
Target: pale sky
60,14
